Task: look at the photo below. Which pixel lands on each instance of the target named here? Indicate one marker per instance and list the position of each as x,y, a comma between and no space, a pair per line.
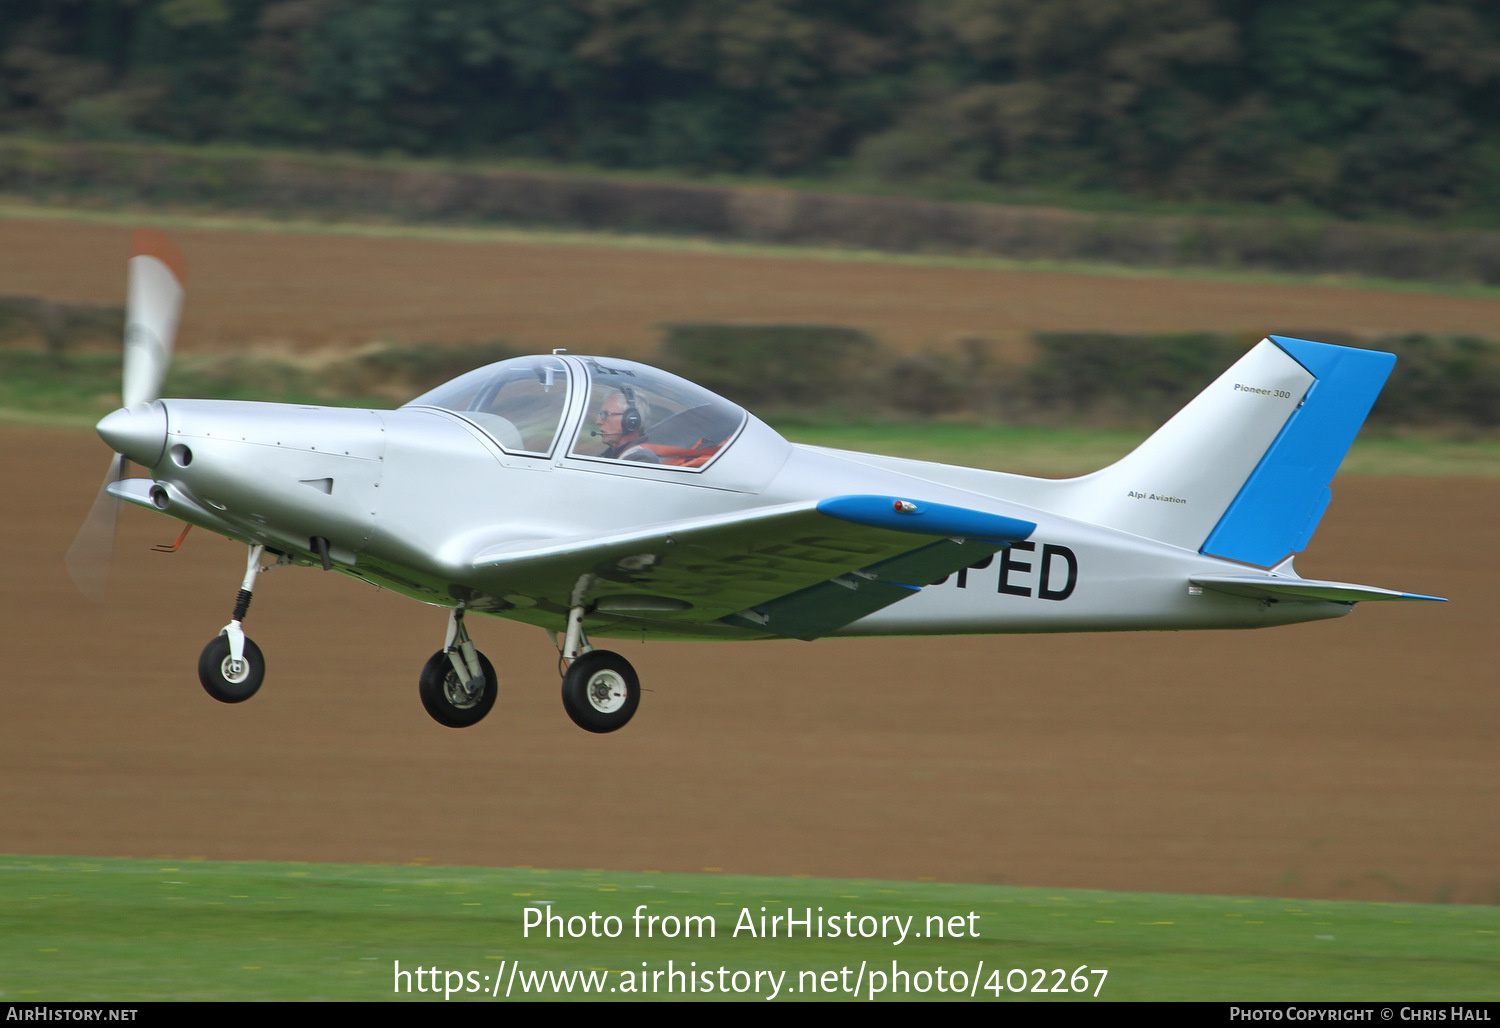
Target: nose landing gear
231,667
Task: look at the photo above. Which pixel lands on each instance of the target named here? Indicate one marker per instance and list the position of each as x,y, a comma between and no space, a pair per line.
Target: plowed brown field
1354,758
308,291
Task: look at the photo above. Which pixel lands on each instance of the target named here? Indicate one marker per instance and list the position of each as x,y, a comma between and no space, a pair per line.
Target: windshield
519,403
637,413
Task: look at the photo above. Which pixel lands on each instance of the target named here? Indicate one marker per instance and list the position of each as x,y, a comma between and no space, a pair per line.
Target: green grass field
134,930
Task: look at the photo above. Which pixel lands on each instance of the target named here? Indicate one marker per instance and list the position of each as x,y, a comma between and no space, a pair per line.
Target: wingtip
149,242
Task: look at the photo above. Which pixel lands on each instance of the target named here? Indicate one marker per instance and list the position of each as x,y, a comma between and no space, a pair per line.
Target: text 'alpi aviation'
597,497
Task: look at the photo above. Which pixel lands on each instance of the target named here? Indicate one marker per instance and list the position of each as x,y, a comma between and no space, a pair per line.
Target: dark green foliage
425,366
926,385
816,373
87,381
58,326
250,377
1441,380
1351,106
1120,379
776,365
128,173
1118,376
1103,379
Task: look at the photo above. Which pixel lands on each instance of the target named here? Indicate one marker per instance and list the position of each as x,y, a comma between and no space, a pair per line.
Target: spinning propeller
137,431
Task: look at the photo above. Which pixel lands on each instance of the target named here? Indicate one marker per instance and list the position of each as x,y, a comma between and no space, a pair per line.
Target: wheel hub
457,693
606,691
234,671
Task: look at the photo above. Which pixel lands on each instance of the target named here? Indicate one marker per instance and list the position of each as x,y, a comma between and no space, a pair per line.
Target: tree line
1356,107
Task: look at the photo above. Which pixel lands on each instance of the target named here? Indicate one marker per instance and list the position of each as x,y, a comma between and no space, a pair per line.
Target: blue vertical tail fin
1275,512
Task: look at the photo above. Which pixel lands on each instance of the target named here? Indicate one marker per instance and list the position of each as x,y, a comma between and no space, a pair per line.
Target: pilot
622,422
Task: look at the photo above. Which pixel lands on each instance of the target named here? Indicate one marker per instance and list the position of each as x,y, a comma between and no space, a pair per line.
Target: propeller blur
153,305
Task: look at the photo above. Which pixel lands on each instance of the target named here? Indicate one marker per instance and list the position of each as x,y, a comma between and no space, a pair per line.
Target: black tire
601,691
220,681
444,697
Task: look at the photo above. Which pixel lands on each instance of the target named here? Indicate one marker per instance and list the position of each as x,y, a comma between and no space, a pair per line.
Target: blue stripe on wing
937,519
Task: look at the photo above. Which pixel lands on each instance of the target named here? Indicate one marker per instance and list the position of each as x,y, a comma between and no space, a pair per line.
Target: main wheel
446,699
601,691
222,679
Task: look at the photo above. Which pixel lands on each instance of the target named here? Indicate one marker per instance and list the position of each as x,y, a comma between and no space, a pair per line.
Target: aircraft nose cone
138,432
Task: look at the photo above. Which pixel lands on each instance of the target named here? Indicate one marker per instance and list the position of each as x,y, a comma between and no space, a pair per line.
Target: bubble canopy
631,413
520,403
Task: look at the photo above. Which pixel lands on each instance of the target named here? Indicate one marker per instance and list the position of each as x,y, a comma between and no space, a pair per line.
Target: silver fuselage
408,498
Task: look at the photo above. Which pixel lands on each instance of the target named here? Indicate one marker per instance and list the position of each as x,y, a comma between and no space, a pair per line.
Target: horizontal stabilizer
1258,587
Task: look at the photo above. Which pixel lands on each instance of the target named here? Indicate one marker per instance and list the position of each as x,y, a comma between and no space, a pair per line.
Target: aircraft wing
799,570
1300,589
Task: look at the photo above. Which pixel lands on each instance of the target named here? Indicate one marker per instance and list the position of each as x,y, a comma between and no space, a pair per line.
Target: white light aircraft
597,497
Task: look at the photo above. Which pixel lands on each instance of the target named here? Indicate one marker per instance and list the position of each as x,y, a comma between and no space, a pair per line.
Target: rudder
1242,471
1275,513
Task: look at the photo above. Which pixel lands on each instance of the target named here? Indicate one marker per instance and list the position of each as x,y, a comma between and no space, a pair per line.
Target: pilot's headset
630,418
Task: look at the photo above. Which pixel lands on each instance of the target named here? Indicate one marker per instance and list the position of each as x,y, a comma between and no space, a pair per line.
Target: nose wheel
227,679
231,667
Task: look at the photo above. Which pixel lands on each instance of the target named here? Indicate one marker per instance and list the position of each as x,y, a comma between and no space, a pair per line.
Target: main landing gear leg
231,667
600,690
458,685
